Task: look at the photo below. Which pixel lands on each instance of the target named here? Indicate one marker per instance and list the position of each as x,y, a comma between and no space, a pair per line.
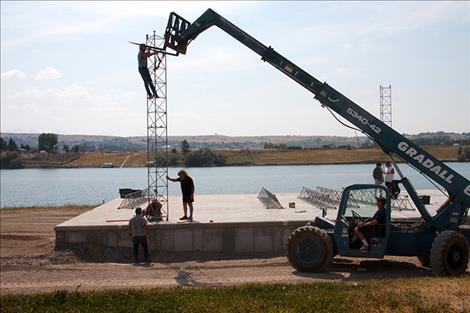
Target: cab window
363,201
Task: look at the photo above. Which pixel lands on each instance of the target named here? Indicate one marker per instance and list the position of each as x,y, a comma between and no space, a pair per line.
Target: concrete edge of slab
166,225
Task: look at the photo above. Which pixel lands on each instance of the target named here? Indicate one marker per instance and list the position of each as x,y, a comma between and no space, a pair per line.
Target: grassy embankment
322,156
264,157
47,209
406,295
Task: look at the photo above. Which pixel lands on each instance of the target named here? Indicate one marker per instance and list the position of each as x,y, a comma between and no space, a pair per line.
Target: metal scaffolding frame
157,126
321,197
134,199
269,199
325,198
400,203
386,104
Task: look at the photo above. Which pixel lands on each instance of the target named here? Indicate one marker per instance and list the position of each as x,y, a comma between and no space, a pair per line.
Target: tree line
198,158
10,157
10,152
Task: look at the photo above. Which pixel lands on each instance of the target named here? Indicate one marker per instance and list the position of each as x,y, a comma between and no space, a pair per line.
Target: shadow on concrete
126,256
210,256
388,269
350,269
143,264
184,278
327,275
340,269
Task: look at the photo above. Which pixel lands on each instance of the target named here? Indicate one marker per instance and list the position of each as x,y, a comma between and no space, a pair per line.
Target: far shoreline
230,165
244,157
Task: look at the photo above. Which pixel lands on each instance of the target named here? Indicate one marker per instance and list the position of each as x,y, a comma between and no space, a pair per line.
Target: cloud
70,100
70,97
48,73
213,59
49,98
344,71
380,20
90,18
73,108
12,74
156,8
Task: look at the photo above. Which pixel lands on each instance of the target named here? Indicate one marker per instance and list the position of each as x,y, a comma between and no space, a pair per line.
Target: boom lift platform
440,241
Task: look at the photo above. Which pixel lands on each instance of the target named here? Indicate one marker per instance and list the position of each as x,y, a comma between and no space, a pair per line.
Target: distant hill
220,142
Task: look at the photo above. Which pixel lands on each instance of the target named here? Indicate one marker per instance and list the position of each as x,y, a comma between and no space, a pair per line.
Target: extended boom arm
180,33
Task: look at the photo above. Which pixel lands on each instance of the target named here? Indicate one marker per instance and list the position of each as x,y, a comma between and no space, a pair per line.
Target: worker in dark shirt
377,174
187,189
378,219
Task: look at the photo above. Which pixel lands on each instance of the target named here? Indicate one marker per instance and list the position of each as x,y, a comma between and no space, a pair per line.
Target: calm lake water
51,187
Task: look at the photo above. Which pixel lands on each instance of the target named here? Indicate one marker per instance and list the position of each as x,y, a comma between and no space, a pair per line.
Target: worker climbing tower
157,130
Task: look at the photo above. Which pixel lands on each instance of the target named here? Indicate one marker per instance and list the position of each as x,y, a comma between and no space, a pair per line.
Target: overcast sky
67,67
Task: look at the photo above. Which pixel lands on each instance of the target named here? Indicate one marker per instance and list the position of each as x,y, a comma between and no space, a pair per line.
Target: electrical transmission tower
157,130
386,104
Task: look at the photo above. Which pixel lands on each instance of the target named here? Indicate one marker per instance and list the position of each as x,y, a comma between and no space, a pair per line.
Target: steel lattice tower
157,130
386,105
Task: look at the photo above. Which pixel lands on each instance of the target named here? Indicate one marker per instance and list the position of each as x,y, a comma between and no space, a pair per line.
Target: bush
172,160
16,164
203,157
10,160
464,154
272,146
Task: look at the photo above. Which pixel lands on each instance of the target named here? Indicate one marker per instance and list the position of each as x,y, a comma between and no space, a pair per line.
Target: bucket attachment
175,27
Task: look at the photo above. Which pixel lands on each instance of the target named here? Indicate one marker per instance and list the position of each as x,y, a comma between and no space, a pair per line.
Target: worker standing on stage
144,72
389,171
187,188
377,174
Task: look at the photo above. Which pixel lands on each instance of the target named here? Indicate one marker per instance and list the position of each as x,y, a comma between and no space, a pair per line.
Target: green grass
362,297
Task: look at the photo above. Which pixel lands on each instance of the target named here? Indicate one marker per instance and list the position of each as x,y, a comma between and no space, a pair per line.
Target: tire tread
438,248
326,238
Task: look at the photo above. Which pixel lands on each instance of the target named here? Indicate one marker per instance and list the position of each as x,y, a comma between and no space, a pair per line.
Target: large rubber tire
311,223
309,249
449,254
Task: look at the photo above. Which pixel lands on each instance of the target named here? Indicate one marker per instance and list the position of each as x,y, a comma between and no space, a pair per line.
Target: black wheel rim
309,251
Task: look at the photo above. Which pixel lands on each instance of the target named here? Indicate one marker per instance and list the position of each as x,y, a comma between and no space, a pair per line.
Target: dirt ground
29,264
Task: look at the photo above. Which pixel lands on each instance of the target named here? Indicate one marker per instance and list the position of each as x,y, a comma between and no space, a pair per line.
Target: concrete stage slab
222,223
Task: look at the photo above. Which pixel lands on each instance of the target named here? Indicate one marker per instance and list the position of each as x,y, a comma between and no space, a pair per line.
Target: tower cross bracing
157,127
386,104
